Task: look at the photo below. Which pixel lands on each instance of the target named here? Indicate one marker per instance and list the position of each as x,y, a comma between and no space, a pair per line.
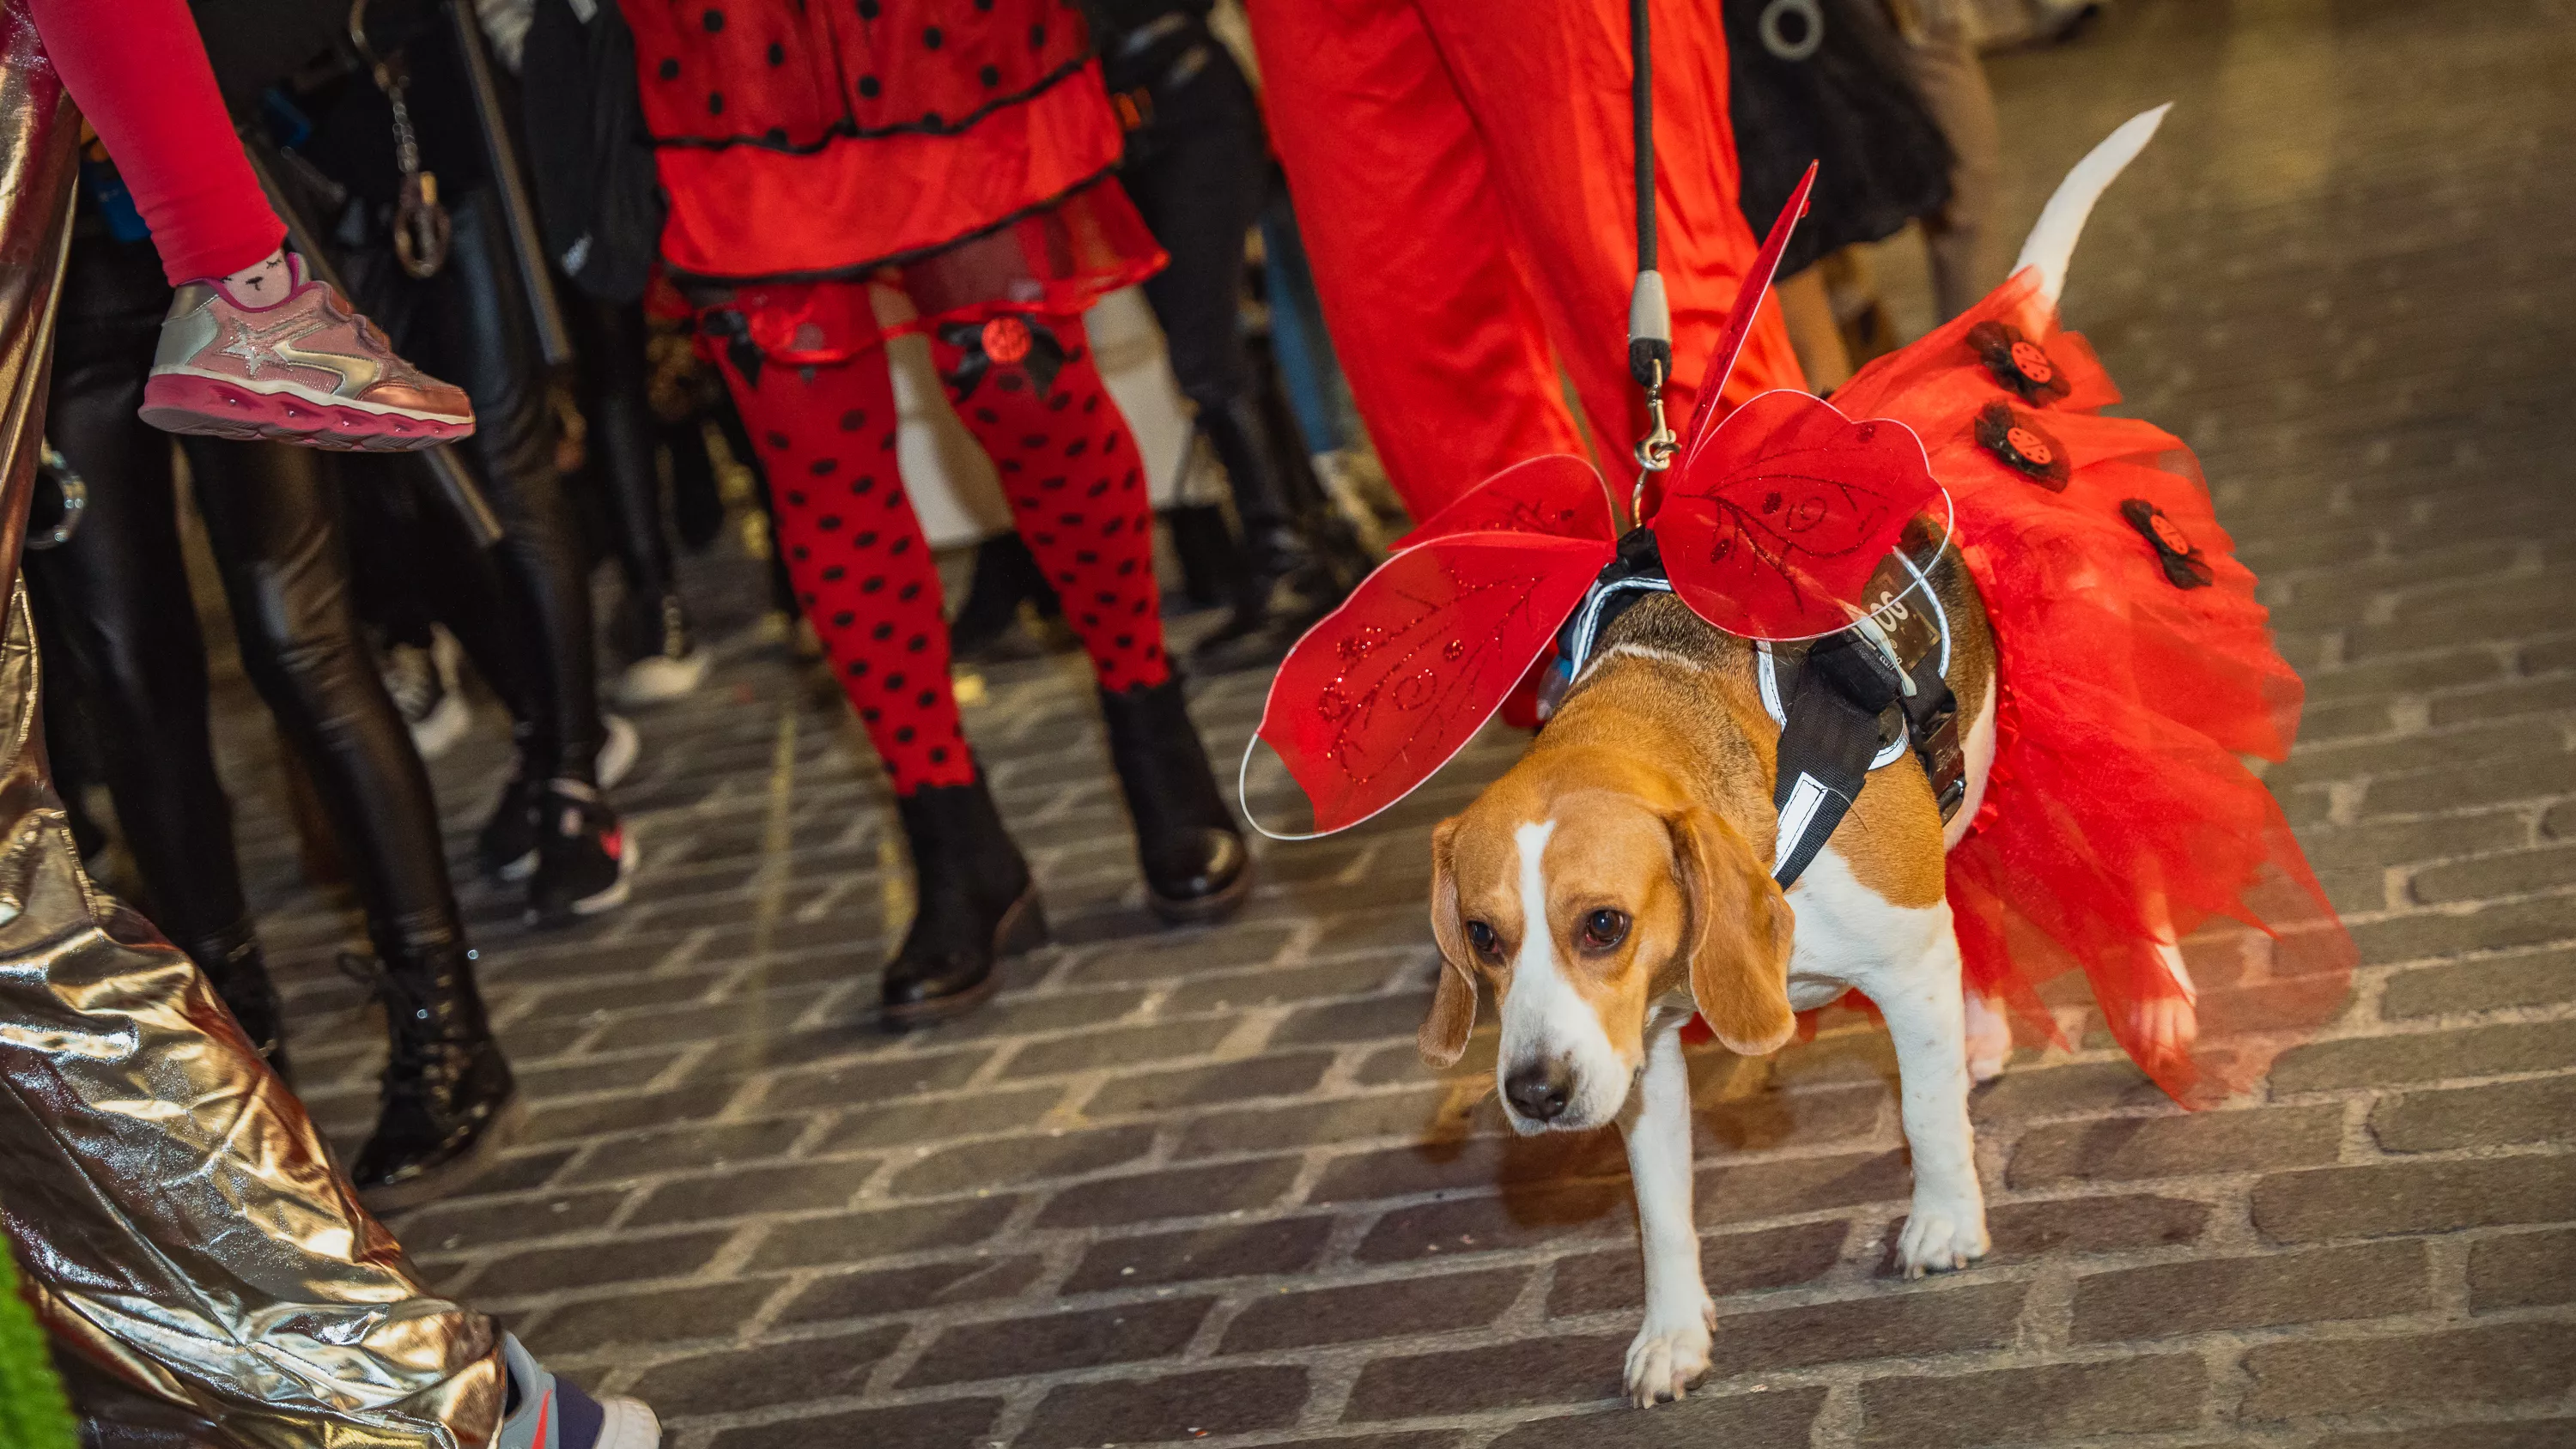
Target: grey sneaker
550,1413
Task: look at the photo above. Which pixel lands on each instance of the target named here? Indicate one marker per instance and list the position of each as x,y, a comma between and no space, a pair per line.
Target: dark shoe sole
457,1173
1022,929
1202,910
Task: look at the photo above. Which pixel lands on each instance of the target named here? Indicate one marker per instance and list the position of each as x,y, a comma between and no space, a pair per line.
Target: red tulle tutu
2135,669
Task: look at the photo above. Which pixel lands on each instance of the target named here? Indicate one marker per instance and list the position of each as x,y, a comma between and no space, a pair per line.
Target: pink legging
138,71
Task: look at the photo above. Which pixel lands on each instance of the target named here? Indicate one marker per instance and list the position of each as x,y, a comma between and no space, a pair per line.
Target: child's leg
139,73
1027,389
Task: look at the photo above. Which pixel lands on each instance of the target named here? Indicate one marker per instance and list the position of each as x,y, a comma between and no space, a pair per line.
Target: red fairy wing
1557,495
1774,526
1748,302
1395,681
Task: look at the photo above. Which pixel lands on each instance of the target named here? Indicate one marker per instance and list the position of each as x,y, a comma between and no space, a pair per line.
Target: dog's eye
1603,930
1481,936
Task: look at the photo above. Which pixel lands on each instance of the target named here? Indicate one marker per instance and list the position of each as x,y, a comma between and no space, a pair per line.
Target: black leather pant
522,610
114,612
611,336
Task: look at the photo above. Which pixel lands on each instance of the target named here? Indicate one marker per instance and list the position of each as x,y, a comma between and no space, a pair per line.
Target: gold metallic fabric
201,1263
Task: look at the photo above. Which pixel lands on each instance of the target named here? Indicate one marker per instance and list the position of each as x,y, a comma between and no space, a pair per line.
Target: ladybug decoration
1010,340
2019,363
2019,441
2184,566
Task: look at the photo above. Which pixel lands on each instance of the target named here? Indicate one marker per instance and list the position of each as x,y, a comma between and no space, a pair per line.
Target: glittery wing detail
1739,322
1777,521
1389,686
1557,495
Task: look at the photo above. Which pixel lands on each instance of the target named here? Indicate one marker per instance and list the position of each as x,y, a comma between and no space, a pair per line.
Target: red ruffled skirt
2135,670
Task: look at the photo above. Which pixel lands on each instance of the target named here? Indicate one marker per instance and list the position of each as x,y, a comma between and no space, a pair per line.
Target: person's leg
113,606
863,573
662,660
1807,305
139,74
1028,389
1431,314
1549,94
1964,238
162,1243
273,517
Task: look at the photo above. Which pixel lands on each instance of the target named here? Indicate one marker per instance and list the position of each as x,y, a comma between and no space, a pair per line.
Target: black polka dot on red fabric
858,669
669,69
882,632
1069,520
1091,621
868,9
871,714
904,734
805,599
987,415
1033,441
1058,403
1126,568
865,482
778,440
800,552
870,86
984,5
1140,606
1096,489
926,698
1091,404
939,754
795,498
1037,36
777,53
867,539
1053,483
853,420
896,680
1113,527
1126,641
713,20
873,584
1086,556
931,39
1065,577
834,573
1045,538
715,103
1107,596
894,498
775,135
990,75
828,522
932,120
1077,447
908,592
823,467
900,546
917,643
844,619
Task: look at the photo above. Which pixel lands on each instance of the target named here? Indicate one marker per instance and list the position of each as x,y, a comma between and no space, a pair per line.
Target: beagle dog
1619,879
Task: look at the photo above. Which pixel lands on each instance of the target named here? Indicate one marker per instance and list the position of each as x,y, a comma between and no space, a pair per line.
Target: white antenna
2052,240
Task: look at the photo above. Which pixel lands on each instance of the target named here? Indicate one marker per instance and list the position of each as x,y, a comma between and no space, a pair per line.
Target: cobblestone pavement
1196,1187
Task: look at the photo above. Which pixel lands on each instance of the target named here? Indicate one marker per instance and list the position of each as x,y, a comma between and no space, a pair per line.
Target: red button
1006,339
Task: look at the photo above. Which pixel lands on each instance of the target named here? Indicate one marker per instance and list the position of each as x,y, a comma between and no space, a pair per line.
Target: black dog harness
1850,704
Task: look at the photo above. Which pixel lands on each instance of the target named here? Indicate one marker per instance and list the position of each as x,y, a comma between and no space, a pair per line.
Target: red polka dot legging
1028,391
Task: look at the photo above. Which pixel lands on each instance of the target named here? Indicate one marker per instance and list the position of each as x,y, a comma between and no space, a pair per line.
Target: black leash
1650,314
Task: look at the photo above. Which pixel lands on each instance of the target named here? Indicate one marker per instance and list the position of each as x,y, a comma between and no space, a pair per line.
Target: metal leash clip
422,228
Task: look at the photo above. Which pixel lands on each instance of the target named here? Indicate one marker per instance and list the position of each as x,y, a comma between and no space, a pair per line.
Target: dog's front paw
1941,1235
1667,1355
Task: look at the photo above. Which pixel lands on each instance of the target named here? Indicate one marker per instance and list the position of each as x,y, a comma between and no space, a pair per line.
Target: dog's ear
1737,937
1453,1007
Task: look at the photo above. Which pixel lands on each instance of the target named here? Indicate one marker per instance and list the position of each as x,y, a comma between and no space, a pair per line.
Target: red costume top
969,144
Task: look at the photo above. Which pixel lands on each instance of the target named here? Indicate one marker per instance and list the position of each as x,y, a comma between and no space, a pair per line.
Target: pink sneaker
306,370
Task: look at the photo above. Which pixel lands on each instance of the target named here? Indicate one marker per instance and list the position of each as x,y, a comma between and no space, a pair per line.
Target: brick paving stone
1279,1245
942,1424
2523,1270
1394,1309
2414,1197
2034,1405
1184,1406
2503,1114
1778,1419
2501,1364
1089,1338
2343,274
902,1290
774,1373
2363,1280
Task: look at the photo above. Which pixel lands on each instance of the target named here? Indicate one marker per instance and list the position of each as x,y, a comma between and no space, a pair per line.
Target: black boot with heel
976,904
1195,864
232,962
448,1096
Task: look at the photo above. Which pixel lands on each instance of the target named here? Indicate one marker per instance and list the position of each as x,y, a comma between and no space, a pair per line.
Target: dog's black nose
1540,1090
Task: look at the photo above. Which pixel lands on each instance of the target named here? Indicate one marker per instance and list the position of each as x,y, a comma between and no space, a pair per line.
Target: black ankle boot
976,904
232,962
1258,631
1196,868
448,1094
